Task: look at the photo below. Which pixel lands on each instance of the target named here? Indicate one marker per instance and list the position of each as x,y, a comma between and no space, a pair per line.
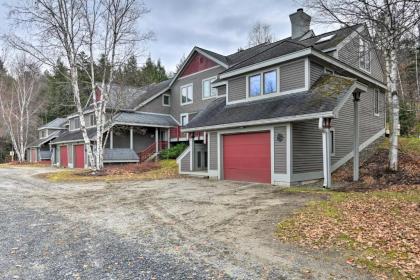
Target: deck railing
151,149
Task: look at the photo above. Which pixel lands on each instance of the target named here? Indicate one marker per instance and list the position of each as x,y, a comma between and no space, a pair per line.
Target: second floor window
184,119
364,55
255,85
166,100
186,94
270,82
74,123
43,133
208,91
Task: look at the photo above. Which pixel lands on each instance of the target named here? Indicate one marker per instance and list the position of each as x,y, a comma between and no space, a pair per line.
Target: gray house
289,111
40,150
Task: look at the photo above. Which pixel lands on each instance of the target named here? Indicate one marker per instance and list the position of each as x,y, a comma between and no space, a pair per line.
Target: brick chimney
301,23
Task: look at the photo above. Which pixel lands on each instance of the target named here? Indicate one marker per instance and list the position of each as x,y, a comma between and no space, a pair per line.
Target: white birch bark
393,152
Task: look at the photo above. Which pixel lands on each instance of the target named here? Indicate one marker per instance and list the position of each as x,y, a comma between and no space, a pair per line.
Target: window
255,85
332,142
270,82
184,119
90,121
43,133
187,94
376,102
364,55
166,100
208,91
74,123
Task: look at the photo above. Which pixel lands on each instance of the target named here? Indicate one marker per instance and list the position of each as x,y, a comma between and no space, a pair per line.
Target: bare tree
18,103
388,22
260,33
70,27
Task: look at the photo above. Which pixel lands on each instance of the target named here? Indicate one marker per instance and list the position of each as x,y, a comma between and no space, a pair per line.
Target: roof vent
301,23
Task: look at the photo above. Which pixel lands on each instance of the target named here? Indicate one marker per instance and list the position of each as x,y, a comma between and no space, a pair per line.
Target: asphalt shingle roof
58,123
70,136
324,96
142,118
38,143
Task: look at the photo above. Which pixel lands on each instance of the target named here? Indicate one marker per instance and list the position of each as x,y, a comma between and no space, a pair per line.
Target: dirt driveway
169,229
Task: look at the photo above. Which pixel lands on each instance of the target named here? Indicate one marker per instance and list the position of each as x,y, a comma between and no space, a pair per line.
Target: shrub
173,152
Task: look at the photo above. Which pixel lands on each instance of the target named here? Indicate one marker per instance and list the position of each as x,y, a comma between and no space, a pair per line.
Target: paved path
172,229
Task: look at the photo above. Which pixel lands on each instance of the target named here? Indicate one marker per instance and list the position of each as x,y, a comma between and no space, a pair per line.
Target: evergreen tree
152,72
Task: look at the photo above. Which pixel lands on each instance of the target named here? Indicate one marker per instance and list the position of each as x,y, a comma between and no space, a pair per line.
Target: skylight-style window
324,39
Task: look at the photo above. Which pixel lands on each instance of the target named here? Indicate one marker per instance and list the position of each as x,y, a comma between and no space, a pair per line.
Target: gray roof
38,143
71,136
146,119
120,155
150,91
285,46
58,123
324,96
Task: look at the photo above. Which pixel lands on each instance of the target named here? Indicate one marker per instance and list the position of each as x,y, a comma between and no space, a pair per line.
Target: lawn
163,169
374,223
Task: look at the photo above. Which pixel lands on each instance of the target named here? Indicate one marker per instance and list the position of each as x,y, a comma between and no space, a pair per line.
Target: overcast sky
218,25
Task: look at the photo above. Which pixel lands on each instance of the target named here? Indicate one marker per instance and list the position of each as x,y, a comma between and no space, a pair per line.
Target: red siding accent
64,160
33,155
197,63
246,157
79,156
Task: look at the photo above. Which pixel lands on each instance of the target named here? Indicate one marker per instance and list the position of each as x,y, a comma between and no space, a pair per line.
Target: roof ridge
332,31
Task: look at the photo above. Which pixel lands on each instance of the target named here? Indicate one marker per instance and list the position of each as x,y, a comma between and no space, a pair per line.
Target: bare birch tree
259,33
388,21
18,103
70,27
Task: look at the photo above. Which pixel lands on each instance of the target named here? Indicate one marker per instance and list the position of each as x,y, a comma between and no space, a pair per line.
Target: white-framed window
270,81
184,119
364,55
90,120
254,85
207,90
43,133
166,100
332,135
74,123
187,94
376,102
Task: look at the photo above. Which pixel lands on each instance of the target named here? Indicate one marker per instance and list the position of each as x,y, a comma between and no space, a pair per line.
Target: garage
246,157
64,160
79,156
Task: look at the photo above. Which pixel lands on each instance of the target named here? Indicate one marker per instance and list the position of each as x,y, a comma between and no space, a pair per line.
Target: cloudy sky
218,25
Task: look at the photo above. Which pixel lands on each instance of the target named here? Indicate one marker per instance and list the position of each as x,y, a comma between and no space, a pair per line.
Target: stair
150,151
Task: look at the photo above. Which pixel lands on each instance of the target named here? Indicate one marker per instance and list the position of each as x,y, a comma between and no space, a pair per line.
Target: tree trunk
393,151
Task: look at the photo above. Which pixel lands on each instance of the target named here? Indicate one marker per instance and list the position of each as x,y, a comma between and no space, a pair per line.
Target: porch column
111,139
192,153
326,143
356,161
131,138
169,137
157,139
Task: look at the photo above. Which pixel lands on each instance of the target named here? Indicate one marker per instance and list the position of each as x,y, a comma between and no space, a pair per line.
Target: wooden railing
175,133
150,150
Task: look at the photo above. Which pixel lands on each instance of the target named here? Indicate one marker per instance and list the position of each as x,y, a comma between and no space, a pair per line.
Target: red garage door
64,160
79,156
246,157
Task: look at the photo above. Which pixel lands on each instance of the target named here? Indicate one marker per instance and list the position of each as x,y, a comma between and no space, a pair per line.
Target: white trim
192,150
140,125
198,72
329,49
307,74
180,93
266,63
272,154
219,155
219,84
69,142
333,141
263,122
289,151
163,100
111,139
211,79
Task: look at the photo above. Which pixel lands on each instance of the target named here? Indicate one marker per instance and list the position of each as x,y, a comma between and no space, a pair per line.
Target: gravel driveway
169,229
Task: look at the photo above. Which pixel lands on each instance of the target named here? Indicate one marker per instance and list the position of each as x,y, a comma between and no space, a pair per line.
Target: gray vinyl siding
292,75
237,89
185,163
198,103
316,72
369,124
213,151
280,151
155,106
221,90
349,53
307,146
